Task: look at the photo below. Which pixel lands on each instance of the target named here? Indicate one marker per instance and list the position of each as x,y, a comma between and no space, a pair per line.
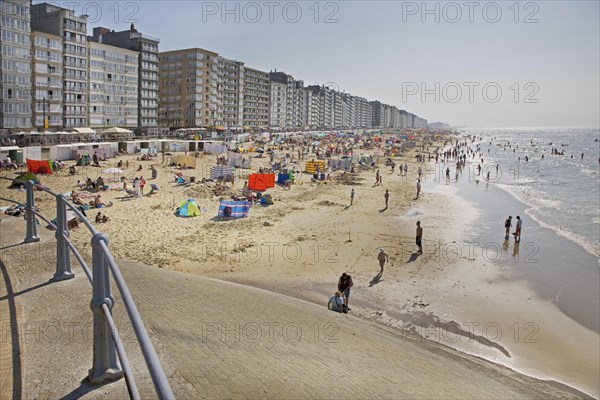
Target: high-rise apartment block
15,68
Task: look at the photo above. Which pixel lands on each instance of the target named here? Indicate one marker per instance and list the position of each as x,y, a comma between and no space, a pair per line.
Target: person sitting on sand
90,184
100,183
336,302
97,203
101,218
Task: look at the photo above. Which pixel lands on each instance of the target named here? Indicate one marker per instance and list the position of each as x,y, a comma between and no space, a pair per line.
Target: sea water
562,191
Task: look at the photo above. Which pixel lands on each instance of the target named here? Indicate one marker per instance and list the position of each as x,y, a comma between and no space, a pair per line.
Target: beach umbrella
188,208
114,172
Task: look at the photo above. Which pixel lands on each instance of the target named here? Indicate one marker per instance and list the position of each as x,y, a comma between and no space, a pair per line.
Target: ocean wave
590,172
535,202
531,197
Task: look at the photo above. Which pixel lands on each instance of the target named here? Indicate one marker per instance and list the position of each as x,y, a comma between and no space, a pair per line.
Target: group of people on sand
339,301
517,232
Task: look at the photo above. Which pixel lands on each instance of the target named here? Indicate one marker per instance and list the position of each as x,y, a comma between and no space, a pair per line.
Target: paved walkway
221,340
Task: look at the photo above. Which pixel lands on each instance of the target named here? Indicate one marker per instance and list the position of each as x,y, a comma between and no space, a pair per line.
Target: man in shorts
382,257
419,237
507,225
344,285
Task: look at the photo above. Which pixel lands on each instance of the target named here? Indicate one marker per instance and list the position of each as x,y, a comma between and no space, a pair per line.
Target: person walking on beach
386,196
344,285
517,232
419,237
418,187
352,197
507,225
377,178
142,184
382,257
136,187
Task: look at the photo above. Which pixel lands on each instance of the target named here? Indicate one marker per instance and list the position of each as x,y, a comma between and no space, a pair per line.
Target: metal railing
106,340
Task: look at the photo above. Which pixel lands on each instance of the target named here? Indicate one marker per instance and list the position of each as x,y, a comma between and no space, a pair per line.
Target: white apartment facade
113,86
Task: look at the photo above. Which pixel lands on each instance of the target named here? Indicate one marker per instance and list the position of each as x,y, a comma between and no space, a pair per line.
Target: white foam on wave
590,172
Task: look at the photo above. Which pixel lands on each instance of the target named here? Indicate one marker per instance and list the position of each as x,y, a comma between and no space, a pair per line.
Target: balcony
80,53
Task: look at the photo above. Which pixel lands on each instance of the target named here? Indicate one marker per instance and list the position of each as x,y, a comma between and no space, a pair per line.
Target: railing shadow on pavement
15,341
107,344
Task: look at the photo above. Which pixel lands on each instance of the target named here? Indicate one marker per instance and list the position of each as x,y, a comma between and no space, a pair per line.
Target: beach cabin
14,152
214,147
83,149
32,153
62,152
106,149
242,137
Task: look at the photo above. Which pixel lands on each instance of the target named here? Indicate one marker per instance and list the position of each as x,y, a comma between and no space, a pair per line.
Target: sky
466,63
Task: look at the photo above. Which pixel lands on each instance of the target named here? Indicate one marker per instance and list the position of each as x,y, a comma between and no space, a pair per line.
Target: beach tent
261,182
311,166
39,166
25,177
217,172
84,160
238,160
188,208
236,209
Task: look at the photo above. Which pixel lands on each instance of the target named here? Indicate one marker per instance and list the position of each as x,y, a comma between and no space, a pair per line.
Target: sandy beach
453,293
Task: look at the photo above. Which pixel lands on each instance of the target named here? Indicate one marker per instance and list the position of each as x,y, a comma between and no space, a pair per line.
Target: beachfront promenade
220,340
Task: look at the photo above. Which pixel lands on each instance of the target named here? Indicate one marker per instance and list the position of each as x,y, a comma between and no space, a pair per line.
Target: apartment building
113,83
147,79
279,106
47,78
15,68
72,29
313,109
188,95
230,88
256,99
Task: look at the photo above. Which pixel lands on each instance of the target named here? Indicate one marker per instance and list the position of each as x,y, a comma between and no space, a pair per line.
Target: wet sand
453,293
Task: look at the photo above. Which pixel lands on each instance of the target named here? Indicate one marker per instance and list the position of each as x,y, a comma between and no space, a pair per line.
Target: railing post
105,366
63,257
31,235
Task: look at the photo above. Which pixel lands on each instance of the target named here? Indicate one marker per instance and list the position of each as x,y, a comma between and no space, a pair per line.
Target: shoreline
301,244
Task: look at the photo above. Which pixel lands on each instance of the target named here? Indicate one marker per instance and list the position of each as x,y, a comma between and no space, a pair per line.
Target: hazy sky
488,64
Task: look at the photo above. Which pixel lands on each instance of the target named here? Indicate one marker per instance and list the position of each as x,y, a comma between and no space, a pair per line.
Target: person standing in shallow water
517,232
418,187
507,225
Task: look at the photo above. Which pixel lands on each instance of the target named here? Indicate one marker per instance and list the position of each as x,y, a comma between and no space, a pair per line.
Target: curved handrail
161,384
159,379
129,378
